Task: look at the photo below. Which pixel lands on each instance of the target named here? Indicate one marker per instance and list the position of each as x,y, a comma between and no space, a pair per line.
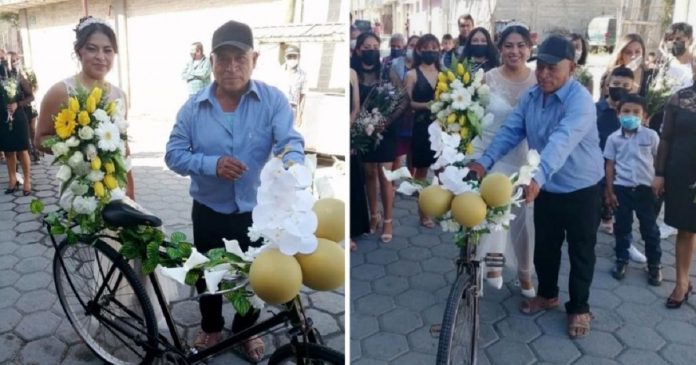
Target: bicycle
107,305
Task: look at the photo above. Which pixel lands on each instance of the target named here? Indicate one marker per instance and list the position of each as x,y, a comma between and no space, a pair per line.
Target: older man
222,138
558,119
197,70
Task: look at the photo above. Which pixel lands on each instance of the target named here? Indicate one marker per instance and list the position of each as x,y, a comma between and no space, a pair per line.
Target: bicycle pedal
494,261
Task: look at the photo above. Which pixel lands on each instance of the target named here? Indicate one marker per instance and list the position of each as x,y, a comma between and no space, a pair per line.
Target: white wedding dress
503,99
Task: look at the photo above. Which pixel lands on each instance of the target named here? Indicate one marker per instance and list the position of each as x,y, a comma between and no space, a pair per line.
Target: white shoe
635,255
496,282
666,231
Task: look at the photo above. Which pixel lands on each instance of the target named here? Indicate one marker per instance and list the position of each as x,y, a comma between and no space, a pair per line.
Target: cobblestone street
33,326
399,290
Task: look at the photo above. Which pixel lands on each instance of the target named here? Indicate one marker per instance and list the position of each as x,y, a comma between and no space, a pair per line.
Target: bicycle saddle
120,214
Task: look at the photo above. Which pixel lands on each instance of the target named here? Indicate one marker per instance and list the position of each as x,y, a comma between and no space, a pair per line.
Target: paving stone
8,297
677,331
44,351
606,320
603,298
434,313
384,346
359,288
592,360
638,314
328,302
9,347
374,304
382,257
415,253
37,280
356,259
421,340
30,250
8,261
416,300
38,300
553,323
66,333
555,350
9,318
362,325
26,217
7,278
400,321
6,236
437,265
367,272
405,231
518,329
676,354
641,357
601,344
325,323
487,335
390,285
635,294
402,268
355,351
80,355
491,313
415,358
509,353
28,226
37,325
427,281
29,238
32,264
423,240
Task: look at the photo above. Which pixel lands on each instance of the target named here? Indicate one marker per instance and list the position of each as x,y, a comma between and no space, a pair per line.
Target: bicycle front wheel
306,354
460,324
105,302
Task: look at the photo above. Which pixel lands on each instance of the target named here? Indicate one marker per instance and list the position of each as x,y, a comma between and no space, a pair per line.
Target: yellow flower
96,163
452,118
65,124
464,133
96,94
83,118
466,78
441,77
442,86
111,108
460,70
450,76
73,105
99,189
109,167
469,149
462,120
110,182
437,94
91,104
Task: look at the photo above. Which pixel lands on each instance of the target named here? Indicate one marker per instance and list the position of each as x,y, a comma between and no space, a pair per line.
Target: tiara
89,21
516,24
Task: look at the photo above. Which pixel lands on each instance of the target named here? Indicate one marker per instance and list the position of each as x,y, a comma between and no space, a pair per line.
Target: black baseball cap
233,34
555,49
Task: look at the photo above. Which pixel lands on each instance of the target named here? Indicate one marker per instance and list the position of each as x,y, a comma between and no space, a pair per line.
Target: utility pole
85,11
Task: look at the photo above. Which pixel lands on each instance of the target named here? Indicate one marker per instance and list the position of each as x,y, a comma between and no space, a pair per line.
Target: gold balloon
496,190
435,201
324,268
469,209
331,216
275,277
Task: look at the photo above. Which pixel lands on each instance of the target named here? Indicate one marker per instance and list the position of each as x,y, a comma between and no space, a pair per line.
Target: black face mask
678,48
396,53
617,93
478,50
370,57
430,57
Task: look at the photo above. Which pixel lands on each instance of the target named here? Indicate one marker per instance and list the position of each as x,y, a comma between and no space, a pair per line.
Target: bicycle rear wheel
458,343
105,302
306,354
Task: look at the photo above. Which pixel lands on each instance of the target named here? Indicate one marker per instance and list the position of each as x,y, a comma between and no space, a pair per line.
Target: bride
507,83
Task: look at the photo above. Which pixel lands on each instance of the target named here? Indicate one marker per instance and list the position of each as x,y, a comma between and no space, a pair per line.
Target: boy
630,154
447,50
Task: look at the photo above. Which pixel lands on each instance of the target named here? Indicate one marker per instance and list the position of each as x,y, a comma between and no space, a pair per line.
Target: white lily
435,138
60,149
232,246
195,259
176,273
449,225
400,173
213,278
72,142
453,179
64,173
256,302
408,188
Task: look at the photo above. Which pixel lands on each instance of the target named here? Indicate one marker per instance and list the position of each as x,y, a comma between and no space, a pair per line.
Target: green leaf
239,301
174,253
474,121
216,253
129,250
152,258
71,237
186,249
57,229
36,206
192,277
177,237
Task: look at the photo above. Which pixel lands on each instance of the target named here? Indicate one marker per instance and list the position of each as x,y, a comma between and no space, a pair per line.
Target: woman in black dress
675,176
420,86
366,63
14,132
359,222
481,50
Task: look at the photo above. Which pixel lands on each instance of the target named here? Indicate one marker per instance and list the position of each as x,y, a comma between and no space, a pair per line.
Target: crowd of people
600,161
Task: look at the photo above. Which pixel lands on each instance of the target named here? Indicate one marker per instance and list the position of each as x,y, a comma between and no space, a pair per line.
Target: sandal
579,321
386,237
538,304
427,222
375,223
353,246
251,350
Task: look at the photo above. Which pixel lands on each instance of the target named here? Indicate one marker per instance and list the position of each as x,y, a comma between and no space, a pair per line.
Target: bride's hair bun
89,25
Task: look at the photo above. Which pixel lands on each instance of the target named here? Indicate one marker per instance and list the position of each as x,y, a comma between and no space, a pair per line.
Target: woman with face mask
481,50
420,86
629,52
366,63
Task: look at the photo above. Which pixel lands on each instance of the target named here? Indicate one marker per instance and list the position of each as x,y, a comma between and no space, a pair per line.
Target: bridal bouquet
89,148
380,103
9,95
459,110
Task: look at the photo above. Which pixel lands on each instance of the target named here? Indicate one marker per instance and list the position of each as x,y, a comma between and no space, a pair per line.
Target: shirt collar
638,130
209,92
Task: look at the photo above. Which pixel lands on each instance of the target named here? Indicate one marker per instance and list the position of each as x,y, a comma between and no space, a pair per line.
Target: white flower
76,159
435,138
90,151
484,94
256,302
456,84
302,175
449,225
176,273
232,246
453,179
408,188
117,194
369,129
461,99
101,116
478,110
60,149
122,147
478,78
120,112
213,278
72,142
453,128
108,136
86,133
401,173
84,205
442,114
64,173
445,97
533,158
195,259
66,200
78,189
122,125
95,175
436,107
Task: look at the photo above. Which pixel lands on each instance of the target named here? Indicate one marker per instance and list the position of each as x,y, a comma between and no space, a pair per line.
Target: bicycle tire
307,353
458,342
78,313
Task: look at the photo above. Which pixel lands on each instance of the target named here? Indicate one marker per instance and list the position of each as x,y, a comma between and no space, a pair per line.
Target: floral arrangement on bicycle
462,205
89,147
299,238
366,132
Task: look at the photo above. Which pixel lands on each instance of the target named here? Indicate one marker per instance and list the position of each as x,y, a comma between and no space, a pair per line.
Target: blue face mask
629,122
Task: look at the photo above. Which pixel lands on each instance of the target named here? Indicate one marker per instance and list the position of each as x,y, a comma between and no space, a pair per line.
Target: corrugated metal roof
321,32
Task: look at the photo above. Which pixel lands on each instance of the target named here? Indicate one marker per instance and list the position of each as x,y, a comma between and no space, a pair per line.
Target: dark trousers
209,228
574,216
642,201
606,212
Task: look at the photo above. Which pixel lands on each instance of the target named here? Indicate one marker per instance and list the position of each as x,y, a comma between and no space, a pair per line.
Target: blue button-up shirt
633,155
261,124
563,129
